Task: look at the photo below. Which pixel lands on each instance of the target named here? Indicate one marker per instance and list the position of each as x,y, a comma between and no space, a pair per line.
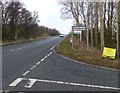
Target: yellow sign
109,52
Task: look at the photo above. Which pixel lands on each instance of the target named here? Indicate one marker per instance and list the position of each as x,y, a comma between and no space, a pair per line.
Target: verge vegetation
90,56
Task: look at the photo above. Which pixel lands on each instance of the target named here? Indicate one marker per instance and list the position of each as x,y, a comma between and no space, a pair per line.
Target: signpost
77,29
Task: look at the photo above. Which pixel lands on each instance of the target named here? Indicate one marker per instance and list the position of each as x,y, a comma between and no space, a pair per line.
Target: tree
96,15
118,27
96,24
91,15
101,25
88,14
0,21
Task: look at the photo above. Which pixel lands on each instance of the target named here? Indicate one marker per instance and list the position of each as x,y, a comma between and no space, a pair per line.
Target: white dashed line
56,45
37,64
42,59
53,47
26,73
49,54
32,81
45,57
32,67
5,91
19,48
18,80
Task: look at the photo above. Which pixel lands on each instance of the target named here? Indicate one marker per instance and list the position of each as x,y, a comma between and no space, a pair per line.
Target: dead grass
82,54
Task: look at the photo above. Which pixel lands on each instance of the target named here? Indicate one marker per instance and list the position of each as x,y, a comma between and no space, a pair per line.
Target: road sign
77,28
77,32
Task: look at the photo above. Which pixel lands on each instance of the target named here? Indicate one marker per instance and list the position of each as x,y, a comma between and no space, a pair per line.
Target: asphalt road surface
34,66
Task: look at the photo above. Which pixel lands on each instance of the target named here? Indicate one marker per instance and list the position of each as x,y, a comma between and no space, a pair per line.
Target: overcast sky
49,14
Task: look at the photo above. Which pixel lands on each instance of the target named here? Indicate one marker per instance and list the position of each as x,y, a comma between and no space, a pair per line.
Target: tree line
100,19
20,23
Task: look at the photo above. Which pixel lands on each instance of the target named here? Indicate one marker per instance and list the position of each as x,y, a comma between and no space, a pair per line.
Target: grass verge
5,43
82,54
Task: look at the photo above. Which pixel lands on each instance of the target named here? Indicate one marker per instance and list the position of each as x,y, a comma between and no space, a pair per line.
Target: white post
72,38
80,36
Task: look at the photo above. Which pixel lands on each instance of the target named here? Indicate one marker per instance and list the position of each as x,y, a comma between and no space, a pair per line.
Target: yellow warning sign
109,52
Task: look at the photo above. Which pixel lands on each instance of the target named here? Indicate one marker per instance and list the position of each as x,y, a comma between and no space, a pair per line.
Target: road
34,66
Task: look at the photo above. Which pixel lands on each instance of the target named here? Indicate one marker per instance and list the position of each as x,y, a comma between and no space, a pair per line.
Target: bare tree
101,25
70,10
88,27
118,29
91,20
96,24
1,22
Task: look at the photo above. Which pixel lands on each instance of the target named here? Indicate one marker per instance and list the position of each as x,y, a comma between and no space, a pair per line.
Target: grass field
81,53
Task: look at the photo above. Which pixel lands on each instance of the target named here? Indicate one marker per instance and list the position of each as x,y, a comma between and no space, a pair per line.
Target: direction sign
77,28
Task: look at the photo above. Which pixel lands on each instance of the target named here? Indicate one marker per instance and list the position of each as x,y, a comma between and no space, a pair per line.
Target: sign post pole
78,29
72,37
80,36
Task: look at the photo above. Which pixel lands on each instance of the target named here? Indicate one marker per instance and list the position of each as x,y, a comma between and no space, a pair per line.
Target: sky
49,14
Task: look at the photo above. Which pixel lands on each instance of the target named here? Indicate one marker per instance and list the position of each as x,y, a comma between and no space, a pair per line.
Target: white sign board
77,28
77,32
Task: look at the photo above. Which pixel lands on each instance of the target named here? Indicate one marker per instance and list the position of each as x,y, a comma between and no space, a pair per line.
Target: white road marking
30,83
42,59
56,45
19,48
33,67
5,91
1,91
45,57
14,83
38,63
49,54
78,84
26,73
53,47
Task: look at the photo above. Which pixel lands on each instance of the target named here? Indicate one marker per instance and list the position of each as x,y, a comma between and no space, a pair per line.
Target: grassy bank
4,43
82,54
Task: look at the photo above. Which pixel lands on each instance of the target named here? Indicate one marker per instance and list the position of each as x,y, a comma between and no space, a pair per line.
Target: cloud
49,14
